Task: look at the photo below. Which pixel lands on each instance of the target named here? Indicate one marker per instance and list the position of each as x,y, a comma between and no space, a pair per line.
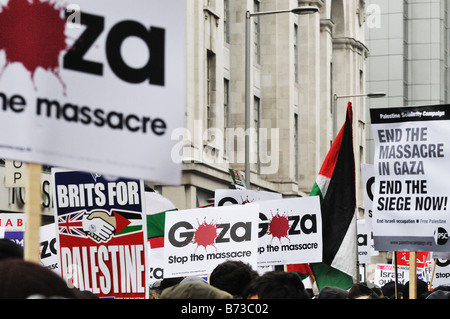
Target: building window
296,146
256,137
226,112
226,21
296,52
210,89
256,34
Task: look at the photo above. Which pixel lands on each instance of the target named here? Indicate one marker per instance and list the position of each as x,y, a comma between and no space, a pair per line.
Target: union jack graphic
71,224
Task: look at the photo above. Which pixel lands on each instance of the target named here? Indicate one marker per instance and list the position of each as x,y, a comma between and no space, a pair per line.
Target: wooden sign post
32,212
412,275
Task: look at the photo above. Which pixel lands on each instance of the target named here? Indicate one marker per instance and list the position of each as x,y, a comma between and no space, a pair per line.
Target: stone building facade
299,62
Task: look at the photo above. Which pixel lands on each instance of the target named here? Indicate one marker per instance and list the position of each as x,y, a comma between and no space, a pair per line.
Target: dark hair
20,279
278,285
421,287
9,249
233,277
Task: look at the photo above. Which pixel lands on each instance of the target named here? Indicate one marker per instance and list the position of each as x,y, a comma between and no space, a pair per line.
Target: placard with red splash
101,233
197,240
290,231
93,85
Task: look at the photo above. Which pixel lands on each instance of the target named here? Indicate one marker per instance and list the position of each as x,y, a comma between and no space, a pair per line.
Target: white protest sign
290,231
224,197
197,240
99,86
385,273
441,273
364,242
412,151
49,247
368,179
13,226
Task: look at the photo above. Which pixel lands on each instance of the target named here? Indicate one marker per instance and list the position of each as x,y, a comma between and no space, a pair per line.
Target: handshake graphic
99,225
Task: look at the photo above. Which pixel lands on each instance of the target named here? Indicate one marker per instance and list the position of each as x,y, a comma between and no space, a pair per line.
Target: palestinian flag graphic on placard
335,185
127,222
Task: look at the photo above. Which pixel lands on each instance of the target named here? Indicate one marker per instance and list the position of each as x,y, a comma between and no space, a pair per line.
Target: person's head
194,290
20,279
330,292
388,290
232,276
361,291
9,249
421,288
277,285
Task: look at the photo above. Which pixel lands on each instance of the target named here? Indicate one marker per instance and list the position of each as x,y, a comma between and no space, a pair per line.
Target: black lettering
127,123
86,115
154,38
74,58
304,225
70,112
369,184
46,200
50,105
362,239
185,236
292,230
53,246
44,253
159,126
246,236
225,200
17,103
263,226
220,238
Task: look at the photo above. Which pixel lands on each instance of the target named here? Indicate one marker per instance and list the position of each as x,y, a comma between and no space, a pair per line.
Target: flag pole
432,274
32,212
396,275
413,275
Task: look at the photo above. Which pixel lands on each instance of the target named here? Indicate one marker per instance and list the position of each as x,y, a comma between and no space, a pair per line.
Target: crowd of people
21,279
237,280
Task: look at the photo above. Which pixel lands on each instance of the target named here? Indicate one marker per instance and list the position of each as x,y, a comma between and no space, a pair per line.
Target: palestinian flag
156,208
335,185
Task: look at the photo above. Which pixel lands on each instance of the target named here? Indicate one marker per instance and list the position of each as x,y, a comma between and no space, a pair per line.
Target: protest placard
224,197
13,226
441,274
404,256
412,149
98,87
197,240
49,248
368,180
364,238
101,232
290,231
385,273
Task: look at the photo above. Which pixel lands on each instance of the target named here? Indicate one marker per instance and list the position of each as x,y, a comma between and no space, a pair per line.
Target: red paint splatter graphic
205,235
279,226
246,201
32,34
